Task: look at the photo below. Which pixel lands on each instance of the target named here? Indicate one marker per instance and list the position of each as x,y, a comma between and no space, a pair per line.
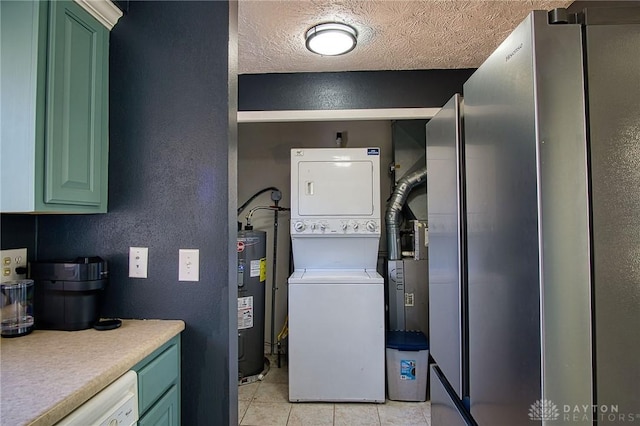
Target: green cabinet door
159,386
165,412
76,138
54,108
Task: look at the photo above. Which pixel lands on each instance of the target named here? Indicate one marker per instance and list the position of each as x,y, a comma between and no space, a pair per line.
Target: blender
16,308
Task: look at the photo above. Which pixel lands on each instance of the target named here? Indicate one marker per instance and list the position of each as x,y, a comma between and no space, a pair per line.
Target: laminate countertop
46,375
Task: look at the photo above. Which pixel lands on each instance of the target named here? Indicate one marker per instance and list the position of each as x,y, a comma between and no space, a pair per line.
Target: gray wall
350,90
18,231
172,185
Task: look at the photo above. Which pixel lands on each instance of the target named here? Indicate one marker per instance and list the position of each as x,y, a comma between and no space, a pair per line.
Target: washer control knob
299,226
344,226
371,226
355,225
313,226
323,226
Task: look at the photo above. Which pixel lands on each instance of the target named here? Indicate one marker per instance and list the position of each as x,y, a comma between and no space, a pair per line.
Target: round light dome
331,39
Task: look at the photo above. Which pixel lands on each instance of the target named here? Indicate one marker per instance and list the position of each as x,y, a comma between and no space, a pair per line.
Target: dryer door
335,188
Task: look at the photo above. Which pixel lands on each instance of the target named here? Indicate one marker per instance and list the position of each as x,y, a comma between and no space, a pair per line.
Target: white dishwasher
115,405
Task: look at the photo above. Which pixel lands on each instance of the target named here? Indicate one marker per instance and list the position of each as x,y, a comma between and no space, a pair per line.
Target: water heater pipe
274,287
254,196
394,206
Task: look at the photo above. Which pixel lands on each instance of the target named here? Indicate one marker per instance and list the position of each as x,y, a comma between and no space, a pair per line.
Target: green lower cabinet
165,412
159,386
54,83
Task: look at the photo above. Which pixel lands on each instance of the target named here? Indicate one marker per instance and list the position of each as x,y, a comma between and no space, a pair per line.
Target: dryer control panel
342,226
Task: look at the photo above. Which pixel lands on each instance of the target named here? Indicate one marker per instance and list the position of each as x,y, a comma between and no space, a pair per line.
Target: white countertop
47,374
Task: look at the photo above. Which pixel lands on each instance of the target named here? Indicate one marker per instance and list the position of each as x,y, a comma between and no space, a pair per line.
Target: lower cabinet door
165,412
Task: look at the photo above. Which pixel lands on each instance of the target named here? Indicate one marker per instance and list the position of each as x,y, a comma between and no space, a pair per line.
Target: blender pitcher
16,312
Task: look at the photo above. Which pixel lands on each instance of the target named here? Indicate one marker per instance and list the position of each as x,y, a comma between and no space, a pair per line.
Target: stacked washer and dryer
336,296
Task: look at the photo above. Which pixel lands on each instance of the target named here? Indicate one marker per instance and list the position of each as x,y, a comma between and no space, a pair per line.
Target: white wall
264,160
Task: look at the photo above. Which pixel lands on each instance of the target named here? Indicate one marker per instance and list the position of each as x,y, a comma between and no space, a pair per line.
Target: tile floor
266,403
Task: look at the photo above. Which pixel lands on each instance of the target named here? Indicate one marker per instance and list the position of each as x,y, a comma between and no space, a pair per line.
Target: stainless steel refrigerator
448,304
551,166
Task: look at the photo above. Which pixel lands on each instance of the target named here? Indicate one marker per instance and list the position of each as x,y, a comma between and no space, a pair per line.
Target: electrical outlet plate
10,260
189,265
138,262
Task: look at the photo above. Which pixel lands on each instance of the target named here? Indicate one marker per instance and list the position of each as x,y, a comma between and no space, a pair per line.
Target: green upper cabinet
54,131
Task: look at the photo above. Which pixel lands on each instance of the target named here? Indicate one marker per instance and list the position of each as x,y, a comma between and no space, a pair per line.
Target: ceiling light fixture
331,39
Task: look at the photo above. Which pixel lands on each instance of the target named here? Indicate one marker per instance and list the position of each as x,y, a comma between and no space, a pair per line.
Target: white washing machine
336,336
336,297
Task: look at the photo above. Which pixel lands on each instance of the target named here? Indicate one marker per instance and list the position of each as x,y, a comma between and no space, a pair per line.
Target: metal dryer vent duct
392,216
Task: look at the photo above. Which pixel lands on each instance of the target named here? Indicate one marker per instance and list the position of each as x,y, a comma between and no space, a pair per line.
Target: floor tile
311,414
266,414
426,410
246,392
272,392
351,414
277,375
242,409
401,414
266,403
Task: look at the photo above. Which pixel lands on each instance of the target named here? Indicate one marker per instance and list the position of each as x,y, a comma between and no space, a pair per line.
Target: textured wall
346,90
171,185
18,231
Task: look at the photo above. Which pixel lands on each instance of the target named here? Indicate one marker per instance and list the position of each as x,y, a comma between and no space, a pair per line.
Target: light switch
189,265
138,262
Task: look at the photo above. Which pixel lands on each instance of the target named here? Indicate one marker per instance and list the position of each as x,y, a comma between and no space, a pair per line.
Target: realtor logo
543,409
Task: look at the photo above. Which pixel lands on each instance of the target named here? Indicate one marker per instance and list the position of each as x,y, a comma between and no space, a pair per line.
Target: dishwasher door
117,404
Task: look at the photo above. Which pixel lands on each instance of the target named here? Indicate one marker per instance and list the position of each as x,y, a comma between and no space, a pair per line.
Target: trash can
407,365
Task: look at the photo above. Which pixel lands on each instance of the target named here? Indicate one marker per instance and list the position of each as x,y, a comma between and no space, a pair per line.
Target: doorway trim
336,115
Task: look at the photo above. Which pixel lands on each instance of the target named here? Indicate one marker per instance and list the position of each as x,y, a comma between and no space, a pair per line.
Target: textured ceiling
392,34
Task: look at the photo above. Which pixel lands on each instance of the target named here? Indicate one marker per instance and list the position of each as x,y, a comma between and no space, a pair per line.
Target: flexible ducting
394,206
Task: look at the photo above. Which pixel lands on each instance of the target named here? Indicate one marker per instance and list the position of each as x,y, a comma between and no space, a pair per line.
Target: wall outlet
138,262
12,259
189,265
